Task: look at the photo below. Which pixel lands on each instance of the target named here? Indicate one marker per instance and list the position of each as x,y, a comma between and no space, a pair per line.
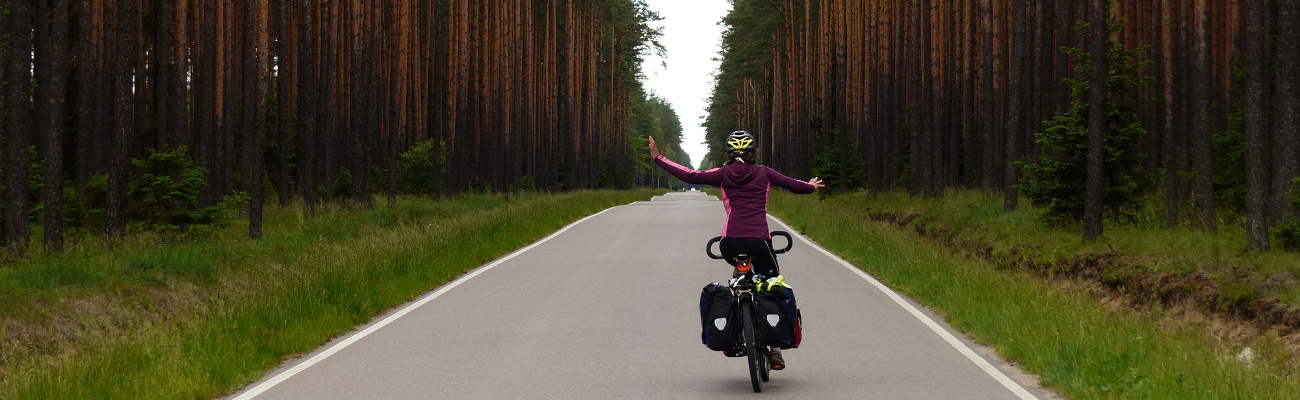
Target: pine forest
149,113
1200,106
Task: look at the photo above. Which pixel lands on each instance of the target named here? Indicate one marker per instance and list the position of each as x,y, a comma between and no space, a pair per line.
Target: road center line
970,354
289,373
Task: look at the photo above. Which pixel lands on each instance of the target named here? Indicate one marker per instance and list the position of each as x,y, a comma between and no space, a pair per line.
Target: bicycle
743,286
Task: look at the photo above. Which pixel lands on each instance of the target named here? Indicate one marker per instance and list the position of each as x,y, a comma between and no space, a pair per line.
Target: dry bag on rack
719,318
779,320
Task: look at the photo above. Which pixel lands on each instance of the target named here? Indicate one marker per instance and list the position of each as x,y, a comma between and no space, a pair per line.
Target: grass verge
975,214
1068,332
1143,260
151,318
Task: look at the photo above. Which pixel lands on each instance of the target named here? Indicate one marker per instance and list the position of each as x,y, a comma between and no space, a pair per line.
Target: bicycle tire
751,346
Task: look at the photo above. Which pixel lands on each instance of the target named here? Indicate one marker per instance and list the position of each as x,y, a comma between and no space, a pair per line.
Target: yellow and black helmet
741,141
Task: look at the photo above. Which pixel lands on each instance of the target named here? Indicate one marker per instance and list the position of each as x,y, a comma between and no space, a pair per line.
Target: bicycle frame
743,286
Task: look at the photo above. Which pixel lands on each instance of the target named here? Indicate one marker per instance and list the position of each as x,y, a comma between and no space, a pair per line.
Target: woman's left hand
817,183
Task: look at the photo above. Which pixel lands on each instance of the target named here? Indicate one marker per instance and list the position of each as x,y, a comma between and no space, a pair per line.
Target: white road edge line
289,373
926,320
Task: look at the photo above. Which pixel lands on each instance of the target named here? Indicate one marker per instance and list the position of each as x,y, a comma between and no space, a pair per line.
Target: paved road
608,309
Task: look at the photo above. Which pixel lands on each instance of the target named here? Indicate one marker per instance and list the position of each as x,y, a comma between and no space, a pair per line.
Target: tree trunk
205,93
1014,93
1257,183
162,73
920,114
5,131
1173,201
308,131
1092,226
19,115
284,76
256,69
53,93
1287,113
1200,131
989,107
89,54
231,44
179,123
128,25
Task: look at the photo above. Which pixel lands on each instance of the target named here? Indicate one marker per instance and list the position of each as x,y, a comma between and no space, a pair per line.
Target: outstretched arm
795,185
710,177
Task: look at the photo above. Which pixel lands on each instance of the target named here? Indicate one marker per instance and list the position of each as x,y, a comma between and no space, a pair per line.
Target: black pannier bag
779,321
719,318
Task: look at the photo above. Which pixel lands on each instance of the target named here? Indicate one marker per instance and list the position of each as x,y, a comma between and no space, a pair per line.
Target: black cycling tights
759,251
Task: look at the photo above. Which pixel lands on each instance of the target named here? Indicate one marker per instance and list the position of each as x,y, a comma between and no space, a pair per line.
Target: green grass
199,318
1063,332
1183,250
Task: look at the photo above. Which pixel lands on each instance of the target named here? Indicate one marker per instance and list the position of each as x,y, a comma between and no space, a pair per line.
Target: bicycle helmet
741,141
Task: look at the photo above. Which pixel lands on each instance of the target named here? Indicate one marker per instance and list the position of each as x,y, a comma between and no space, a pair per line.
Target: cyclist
745,186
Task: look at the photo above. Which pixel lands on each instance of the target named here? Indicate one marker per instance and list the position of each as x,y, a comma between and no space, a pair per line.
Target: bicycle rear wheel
751,346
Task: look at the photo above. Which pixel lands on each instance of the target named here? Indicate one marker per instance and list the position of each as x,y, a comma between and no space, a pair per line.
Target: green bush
35,184
420,166
1289,231
837,162
1289,234
236,201
340,189
1057,182
163,191
162,194
84,207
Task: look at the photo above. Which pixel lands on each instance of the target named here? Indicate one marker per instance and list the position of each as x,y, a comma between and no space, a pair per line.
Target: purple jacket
744,193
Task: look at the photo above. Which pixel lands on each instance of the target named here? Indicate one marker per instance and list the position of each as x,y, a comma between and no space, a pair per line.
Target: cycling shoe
776,361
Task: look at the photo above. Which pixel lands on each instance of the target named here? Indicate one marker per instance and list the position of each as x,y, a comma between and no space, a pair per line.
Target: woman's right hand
654,149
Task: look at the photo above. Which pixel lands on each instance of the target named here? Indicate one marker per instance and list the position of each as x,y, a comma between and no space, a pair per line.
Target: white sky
691,36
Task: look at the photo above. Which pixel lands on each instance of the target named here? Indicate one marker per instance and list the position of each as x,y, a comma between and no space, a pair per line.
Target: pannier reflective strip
720,323
773,319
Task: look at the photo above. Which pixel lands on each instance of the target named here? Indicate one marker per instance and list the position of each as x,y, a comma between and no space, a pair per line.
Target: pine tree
1257,126
1287,111
1058,180
1097,127
19,114
126,59
52,94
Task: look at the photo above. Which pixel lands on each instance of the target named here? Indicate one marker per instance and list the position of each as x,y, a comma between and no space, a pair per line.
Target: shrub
1289,232
340,189
837,162
1058,180
84,207
163,191
35,184
420,166
236,201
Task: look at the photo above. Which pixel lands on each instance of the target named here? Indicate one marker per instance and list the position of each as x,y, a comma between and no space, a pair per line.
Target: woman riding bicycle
745,187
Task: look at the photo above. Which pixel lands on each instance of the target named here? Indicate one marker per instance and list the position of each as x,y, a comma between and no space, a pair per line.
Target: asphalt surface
609,309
